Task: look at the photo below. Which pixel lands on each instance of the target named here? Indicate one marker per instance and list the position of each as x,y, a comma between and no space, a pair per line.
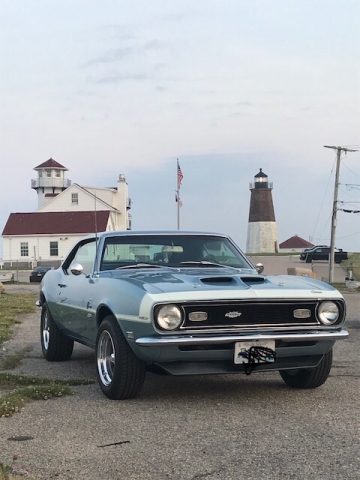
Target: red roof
55,223
295,242
51,163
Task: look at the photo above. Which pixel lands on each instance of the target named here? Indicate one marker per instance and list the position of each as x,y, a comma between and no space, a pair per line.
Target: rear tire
55,345
309,377
120,372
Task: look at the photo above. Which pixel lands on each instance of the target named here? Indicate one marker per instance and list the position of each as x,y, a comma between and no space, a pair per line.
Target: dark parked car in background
321,252
38,273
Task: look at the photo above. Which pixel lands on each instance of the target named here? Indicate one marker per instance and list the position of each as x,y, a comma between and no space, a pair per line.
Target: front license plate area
264,351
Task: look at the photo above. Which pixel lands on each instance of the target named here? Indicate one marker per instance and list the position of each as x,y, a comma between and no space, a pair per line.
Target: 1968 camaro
185,303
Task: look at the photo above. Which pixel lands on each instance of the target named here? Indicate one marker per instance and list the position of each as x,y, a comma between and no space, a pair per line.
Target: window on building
74,199
57,173
54,249
48,173
24,249
40,173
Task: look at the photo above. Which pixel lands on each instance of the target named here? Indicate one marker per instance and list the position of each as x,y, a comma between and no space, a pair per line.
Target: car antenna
96,230
96,235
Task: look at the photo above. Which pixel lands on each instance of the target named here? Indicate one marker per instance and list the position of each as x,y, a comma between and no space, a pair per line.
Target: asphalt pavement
228,427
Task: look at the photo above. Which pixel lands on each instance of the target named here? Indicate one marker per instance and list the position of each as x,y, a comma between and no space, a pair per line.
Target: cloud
122,53
118,78
114,56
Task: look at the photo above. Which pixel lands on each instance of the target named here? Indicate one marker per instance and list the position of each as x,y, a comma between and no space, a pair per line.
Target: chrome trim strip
239,329
251,326
201,340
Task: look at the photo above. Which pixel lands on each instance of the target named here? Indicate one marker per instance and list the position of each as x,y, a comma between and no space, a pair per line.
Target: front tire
120,372
309,377
54,344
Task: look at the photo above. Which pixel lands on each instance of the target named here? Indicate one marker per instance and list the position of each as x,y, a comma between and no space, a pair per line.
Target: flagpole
178,195
179,177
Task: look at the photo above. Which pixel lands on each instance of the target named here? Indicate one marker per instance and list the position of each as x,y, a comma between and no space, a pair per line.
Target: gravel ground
188,428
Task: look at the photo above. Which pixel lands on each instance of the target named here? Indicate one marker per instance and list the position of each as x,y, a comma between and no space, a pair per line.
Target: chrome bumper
173,340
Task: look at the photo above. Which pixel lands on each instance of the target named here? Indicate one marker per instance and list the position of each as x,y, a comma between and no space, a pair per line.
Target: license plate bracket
264,352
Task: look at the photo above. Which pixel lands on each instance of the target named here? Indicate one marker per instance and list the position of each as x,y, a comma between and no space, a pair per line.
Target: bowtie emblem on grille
233,314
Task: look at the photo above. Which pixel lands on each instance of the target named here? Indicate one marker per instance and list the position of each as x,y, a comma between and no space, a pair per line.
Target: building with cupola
262,232
66,212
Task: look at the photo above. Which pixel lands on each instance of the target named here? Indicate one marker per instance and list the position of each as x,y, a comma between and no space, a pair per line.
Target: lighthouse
50,182
262,232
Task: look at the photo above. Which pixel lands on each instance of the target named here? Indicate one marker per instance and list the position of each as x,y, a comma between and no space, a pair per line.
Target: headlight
328,313
169,317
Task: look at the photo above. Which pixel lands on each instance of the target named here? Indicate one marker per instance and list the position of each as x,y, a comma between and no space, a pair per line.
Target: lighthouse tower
50,182
262,232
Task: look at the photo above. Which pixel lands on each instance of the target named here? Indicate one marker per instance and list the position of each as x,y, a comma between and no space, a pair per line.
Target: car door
72,311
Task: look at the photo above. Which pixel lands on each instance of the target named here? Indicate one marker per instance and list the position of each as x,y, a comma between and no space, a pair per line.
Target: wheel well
102,313
42,298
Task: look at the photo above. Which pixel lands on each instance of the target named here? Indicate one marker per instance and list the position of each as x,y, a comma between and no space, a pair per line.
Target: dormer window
74,199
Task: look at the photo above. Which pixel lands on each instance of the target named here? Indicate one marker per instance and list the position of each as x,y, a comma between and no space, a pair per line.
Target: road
228,427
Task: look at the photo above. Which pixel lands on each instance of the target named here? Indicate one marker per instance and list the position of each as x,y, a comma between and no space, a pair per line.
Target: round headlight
169,317
328,313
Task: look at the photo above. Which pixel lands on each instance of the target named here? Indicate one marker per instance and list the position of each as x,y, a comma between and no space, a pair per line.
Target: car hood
227,283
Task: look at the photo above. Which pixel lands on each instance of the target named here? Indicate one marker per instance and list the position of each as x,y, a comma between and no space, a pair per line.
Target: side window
24,249
74,199
85,255
54,249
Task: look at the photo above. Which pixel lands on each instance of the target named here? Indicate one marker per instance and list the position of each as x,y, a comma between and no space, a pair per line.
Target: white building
66,212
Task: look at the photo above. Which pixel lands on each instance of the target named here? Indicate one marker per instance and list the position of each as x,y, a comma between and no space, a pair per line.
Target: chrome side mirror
76,269
259,267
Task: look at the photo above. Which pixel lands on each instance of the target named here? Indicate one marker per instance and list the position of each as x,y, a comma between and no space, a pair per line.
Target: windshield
171,251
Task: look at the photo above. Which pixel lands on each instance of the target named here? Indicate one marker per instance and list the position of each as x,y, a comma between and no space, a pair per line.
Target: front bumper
180,340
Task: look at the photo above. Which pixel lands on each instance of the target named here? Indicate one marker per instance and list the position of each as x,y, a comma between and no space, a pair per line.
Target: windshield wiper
205,263
143,265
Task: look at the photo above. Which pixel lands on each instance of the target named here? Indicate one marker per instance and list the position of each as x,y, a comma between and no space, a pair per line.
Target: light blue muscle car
185,303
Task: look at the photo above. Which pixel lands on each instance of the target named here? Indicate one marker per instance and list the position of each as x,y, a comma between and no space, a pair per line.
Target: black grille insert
238,314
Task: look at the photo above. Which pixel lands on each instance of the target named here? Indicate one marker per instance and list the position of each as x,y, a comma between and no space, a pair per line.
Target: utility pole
334,212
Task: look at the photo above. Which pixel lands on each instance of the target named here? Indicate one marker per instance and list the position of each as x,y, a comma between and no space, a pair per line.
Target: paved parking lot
189,428
274,265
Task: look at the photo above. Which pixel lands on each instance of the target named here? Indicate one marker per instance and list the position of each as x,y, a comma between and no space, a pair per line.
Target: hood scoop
218,280
251,279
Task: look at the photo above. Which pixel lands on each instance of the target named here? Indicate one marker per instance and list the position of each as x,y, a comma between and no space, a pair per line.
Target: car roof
153,232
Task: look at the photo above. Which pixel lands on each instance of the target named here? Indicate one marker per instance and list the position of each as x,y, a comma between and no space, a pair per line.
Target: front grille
249,314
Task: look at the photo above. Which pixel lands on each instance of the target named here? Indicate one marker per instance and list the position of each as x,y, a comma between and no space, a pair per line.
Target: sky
224,86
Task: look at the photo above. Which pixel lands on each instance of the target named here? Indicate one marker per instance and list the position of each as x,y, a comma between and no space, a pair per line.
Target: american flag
177,199
180,175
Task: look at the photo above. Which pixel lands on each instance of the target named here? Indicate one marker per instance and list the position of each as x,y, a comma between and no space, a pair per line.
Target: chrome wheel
55,345
46,331
119,371
106,358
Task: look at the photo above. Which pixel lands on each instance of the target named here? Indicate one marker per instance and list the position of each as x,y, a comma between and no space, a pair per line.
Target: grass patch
353,263
12,361
12,402
24,389
12,305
